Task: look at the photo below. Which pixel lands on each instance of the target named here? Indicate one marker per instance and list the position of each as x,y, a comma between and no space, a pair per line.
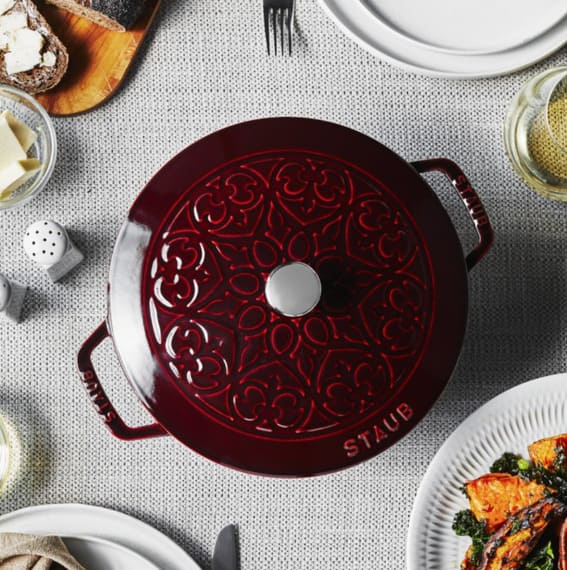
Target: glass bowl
535,133
5,458
30,111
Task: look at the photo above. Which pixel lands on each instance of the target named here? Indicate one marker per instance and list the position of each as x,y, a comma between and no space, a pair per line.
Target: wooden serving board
98,59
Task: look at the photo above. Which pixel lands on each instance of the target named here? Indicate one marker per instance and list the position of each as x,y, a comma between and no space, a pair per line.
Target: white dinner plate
454,38
509,422
99,554
88,522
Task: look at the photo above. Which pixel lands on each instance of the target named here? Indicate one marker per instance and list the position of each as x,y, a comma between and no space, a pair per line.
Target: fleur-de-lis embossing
242,362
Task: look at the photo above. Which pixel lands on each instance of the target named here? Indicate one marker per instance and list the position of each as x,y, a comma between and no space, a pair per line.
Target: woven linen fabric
204,66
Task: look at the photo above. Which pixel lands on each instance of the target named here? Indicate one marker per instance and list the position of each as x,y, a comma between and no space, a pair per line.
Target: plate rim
170,549
480,73
430,476
112,544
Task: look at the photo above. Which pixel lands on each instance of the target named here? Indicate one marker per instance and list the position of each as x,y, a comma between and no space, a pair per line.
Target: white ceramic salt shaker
47,243
12,296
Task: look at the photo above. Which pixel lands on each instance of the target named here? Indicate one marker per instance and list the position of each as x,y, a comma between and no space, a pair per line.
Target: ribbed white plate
509,422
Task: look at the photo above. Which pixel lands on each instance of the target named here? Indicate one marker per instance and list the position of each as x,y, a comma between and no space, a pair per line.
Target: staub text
379,431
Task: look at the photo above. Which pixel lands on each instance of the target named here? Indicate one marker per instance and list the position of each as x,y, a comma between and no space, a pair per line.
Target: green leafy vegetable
465,524
541,559
517,465
553,480
516,526
510,463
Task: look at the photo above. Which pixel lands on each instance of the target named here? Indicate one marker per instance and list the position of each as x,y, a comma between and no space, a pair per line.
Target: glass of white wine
535,133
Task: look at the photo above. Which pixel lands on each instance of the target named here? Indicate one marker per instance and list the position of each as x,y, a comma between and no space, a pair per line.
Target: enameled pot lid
288,297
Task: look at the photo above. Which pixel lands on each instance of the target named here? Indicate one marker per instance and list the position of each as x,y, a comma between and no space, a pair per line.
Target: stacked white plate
101,539
454,38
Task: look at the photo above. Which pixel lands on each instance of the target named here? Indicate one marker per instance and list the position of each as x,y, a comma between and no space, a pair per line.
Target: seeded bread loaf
118,15
42,77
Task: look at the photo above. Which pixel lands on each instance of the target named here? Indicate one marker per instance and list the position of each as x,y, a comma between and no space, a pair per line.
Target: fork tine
288,25
278,15
275,30
267,26
282,29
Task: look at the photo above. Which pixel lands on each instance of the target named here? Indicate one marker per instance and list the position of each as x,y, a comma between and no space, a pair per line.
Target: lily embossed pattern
241,362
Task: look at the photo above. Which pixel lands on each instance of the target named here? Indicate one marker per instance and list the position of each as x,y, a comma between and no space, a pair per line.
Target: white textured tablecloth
204,67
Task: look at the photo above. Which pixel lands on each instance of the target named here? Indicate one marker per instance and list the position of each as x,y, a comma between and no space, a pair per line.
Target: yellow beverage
536,133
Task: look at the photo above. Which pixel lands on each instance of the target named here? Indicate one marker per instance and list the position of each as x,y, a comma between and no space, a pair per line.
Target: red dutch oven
287,297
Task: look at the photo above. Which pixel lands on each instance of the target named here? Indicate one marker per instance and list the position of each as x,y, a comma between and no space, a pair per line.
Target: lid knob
293,289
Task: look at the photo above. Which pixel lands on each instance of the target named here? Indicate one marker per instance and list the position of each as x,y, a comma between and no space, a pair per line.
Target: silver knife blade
225,556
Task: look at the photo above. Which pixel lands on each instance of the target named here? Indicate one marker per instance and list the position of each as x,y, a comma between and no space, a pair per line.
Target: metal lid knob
293,289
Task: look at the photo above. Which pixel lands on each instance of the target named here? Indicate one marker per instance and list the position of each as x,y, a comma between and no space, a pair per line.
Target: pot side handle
470,199
99,398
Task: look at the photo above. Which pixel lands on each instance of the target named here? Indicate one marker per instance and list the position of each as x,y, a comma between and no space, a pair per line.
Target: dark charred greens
555,481
542,558
517,465
510,463
465,524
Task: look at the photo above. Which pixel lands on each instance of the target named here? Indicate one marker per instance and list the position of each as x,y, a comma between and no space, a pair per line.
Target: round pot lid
288,297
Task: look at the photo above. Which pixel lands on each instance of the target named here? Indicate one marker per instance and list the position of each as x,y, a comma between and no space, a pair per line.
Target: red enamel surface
246,386
241,362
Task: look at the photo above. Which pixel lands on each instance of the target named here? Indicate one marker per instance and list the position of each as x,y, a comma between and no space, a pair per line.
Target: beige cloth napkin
28,552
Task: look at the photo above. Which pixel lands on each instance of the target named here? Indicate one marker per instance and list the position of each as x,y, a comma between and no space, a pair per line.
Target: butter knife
225,556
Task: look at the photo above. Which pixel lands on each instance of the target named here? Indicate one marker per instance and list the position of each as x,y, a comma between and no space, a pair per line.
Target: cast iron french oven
287,297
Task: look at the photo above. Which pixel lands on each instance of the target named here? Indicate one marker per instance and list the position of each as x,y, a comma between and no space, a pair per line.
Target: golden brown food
510,545
550,452
496,496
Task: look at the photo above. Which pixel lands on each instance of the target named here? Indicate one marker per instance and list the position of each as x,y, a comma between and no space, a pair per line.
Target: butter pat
25,47
26,137
25,39
19,61
12,22
12,151
25,50
6,5
48,59
17,174
16,138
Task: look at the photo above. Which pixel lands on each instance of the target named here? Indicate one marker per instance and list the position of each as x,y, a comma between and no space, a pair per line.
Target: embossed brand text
371,437
98,398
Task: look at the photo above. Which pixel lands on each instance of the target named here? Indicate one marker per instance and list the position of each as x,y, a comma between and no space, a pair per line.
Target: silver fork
278,15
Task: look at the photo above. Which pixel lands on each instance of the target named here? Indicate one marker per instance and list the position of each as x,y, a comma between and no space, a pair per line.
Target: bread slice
40,78
118,15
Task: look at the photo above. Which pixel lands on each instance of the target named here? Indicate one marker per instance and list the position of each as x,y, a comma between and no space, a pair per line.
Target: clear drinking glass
535,133
4,453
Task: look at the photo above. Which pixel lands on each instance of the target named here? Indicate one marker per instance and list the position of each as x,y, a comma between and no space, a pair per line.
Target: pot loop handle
100,400
470,199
